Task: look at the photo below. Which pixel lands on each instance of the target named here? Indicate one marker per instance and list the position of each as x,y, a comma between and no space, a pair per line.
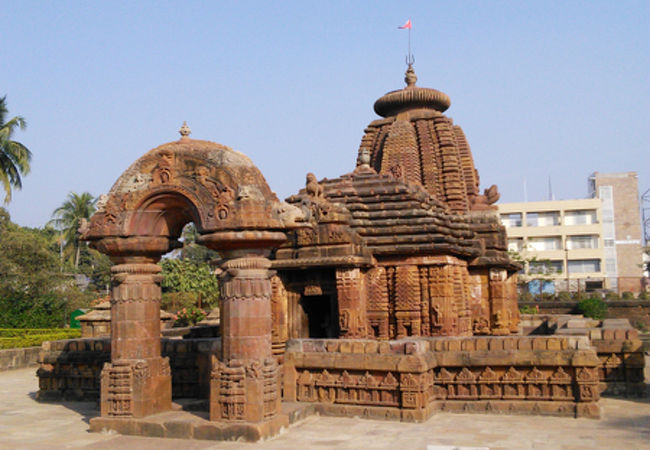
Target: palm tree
67,217
14,156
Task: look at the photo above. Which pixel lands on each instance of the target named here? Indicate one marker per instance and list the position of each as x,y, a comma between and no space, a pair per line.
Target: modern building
582,244
622,231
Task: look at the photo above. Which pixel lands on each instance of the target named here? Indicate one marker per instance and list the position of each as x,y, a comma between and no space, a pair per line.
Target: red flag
406,26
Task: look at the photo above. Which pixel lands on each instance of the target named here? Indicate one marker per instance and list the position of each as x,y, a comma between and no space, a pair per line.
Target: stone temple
385,293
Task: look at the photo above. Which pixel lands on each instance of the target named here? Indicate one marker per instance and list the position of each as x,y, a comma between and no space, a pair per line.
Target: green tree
96,266
33,291
67,218
14,156
184,275
191,250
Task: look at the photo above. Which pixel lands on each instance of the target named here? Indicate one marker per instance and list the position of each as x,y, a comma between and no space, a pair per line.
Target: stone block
510,344
596,333
616,323
577,323
358,347
397,347
332,346
524,344
495,344
345,346
554,344
481,344
152,429
371,347
210,432
588,410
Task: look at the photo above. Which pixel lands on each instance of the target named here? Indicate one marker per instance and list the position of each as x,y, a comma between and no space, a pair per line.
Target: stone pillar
245,384
500,323
137,381
351,292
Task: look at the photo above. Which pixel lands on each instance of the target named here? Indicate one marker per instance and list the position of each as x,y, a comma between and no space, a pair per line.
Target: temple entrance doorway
322,315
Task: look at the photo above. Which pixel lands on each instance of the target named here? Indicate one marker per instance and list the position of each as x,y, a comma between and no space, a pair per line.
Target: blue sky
541,88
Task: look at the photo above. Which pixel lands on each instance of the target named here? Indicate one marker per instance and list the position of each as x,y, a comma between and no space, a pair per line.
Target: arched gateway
235,213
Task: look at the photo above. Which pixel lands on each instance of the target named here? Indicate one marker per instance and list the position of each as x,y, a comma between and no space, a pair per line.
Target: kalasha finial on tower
185,131
410,78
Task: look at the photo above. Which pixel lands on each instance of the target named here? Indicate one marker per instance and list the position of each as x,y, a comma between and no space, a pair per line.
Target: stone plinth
410,379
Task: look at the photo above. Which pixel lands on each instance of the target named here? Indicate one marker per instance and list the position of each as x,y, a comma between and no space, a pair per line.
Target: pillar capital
135,249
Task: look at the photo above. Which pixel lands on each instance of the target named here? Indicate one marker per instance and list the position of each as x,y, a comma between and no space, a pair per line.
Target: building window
540,244
584,266
545,267
609,243
542,219
610,265
586,241
511,220
515,244
580,217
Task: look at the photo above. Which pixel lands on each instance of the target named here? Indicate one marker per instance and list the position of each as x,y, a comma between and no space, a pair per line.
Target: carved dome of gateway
189,180
415,142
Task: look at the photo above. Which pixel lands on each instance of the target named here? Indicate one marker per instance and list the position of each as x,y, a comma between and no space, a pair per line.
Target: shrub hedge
25,337
594,308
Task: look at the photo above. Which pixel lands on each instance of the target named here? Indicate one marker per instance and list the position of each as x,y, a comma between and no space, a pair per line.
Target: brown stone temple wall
410,379
70,369
398,298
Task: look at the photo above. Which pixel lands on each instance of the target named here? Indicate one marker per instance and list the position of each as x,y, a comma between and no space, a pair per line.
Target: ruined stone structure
386,292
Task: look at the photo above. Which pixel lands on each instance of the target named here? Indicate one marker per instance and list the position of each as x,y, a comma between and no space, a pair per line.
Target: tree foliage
67,218
193,251
34,293
184,275
15,158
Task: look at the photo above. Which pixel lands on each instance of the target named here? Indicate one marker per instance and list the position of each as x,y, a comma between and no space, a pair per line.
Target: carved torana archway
141,219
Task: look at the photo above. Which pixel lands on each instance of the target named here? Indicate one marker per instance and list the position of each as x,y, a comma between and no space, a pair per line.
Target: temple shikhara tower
386,292
405,245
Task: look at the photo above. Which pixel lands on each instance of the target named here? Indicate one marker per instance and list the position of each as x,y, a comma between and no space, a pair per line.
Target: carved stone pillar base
244,390
135,388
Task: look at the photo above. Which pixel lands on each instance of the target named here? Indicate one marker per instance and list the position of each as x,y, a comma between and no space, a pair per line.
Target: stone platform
625,423
196,425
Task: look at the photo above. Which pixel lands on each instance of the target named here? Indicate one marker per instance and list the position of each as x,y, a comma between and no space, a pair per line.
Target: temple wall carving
280,316
457,374
352,296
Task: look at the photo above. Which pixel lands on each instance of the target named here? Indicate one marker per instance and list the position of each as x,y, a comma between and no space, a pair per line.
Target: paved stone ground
27,424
